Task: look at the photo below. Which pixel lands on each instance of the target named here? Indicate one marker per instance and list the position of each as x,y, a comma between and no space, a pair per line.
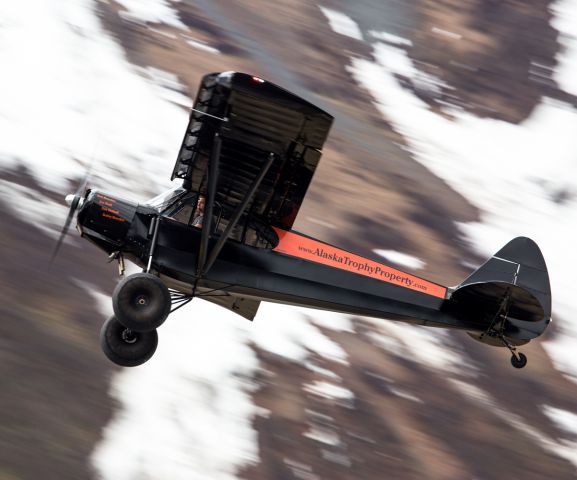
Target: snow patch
390,38
331,391
399,392
168,86
322,371
564,419
522,177
402,259
74,89
286,331
189,408
433,348
446,33
187,413
203,46
323,435
35,208
342,24
329,320
151,11
564,20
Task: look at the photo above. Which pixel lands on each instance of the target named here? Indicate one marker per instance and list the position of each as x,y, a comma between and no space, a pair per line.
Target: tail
512,288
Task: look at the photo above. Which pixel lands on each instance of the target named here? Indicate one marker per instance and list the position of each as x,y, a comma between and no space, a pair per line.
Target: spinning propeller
75,201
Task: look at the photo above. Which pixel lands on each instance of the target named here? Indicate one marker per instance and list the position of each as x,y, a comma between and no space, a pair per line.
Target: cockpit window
166,199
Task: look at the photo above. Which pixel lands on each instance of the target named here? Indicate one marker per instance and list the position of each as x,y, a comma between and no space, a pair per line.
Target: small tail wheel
126,347
141,302
519,362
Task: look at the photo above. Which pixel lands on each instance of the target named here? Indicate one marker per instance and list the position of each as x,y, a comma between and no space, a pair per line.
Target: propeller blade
73,201
64,231
84,182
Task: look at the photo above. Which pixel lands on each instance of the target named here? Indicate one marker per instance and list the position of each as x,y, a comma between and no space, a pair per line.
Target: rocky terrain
387,400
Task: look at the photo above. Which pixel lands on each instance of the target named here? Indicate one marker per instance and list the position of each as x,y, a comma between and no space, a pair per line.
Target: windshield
165,199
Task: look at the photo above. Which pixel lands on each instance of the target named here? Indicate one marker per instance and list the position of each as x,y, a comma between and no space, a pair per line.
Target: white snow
152,11
432,348
329,320
331,391
287,331
342,24
187,413
564,419
25,203
399,392
169,86
193,395
522,177
66,87
446,33
321,371
203,46
387,342
402,259
323,435
390,38
565,20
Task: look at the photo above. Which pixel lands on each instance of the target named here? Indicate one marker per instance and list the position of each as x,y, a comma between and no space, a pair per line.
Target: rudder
513,283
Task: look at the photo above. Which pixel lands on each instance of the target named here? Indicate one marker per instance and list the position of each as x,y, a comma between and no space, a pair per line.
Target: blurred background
455,130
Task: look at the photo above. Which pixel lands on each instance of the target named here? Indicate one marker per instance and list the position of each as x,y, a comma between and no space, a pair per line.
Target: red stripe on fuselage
314,251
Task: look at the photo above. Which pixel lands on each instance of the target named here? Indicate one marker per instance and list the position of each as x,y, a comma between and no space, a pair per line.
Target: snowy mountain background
455,131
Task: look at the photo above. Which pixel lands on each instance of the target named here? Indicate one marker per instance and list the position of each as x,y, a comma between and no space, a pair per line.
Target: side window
183,213
191,212
183,210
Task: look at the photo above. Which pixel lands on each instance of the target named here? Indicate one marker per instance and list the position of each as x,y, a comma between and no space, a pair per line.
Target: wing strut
237,214
211,195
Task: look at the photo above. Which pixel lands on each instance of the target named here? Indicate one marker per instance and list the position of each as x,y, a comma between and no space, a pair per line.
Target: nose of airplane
105,216
74,201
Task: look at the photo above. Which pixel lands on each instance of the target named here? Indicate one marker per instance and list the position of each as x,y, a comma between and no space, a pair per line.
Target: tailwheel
125,347
141,302
518,359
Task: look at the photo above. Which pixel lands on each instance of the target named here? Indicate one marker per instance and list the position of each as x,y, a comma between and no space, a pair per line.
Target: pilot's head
200,204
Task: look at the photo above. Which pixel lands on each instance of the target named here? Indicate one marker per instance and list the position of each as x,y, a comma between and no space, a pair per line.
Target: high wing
262,129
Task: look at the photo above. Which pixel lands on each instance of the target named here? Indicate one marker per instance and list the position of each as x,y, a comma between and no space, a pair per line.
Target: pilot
199,214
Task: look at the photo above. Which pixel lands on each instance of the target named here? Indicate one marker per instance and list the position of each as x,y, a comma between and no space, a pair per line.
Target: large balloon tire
141,302
124,347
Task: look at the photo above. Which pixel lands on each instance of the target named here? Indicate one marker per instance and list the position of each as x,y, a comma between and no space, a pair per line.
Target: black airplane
246,161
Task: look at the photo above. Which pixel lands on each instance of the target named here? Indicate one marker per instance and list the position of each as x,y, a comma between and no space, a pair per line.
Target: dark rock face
498,55
54,381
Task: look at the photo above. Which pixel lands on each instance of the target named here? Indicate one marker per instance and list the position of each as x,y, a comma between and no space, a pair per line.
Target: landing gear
518,360
125,347
495,334
141,302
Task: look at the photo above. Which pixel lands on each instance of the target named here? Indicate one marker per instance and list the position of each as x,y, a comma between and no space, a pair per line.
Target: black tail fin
514,281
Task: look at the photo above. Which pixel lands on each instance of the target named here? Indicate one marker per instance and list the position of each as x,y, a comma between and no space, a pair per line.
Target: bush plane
225,235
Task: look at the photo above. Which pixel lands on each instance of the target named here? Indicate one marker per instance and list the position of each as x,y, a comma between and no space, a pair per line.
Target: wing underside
253,119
